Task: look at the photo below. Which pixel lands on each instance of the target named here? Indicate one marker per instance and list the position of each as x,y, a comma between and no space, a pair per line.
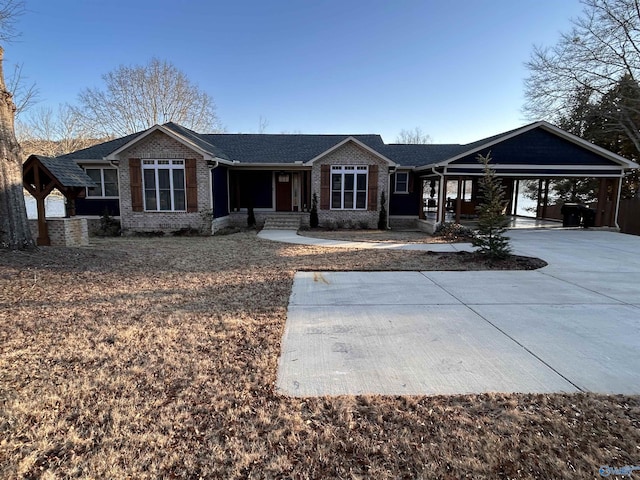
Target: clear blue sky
453,68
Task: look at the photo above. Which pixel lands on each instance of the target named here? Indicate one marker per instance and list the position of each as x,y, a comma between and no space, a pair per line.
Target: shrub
187,232
454,231
363,224
251,218
330,224
313,216
227,231
109,226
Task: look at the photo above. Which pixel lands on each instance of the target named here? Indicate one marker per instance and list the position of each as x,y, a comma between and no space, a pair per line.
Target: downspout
212,166
440,193
618,201
389,193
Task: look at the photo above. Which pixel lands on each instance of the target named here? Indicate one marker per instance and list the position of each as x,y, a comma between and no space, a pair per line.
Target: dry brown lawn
156,358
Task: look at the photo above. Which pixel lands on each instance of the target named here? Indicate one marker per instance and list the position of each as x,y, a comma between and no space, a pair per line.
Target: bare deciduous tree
140,96
49,133
601,50
10,10
416,136
25,95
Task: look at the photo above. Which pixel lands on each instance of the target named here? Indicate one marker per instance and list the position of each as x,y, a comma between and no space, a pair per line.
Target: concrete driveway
571,326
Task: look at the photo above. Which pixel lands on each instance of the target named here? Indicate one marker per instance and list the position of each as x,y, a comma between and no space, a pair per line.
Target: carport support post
442,193
421,214
459,200
602,197
546,198
539,197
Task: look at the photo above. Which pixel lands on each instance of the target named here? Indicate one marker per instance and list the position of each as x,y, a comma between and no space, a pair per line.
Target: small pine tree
313,216
382,218
492,222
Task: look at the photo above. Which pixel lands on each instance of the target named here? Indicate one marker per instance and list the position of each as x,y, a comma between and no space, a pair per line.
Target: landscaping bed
157,358
392,236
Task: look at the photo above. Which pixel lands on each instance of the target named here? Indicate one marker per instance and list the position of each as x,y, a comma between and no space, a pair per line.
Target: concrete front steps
282,222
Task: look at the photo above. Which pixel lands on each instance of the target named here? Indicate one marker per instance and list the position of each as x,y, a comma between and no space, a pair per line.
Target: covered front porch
270,190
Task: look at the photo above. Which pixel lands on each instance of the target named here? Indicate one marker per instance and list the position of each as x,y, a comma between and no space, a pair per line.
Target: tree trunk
14,226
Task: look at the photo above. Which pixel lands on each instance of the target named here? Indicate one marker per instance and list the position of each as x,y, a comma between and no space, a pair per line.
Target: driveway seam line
524,347
509,336
618,302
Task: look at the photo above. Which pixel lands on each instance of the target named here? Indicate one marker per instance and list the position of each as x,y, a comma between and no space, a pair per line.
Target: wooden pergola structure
41,175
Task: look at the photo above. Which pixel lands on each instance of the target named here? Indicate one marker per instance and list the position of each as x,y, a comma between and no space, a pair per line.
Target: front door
283,192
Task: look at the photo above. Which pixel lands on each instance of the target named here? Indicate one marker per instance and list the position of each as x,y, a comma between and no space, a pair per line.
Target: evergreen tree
382,218
251,217
492,222
313,216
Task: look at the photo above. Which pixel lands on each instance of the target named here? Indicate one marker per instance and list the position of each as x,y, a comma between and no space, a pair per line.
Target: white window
402,182
349,187
106,180
164,185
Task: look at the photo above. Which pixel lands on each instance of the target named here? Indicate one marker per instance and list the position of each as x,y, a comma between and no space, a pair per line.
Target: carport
539,152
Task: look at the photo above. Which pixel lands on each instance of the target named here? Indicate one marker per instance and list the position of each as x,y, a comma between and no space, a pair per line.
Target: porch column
538,209
516,193
459,200
40,194
421,205
602,197
442,201
546,198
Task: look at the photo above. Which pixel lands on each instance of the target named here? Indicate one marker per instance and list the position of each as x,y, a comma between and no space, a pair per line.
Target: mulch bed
157,358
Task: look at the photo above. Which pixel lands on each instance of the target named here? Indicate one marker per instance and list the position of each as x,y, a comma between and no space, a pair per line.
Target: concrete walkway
571,326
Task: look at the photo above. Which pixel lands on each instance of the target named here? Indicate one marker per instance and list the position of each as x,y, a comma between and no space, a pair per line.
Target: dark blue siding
405,203
220,191
538,147
97,206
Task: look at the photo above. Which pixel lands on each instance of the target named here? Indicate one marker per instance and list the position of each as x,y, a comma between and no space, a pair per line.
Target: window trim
355,170
406,183
102,169
173,164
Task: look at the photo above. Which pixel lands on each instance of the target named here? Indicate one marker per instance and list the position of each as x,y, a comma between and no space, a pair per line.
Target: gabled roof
352,139
488,142
277,149
65,170
414,155
183,135
101,150
282,148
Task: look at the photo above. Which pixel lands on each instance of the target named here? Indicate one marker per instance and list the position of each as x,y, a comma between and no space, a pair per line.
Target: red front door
283,192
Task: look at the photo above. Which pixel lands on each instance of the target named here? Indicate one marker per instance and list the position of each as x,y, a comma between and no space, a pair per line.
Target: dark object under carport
571,214
588,216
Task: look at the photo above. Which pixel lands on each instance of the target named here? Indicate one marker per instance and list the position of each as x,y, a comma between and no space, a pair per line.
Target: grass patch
157,358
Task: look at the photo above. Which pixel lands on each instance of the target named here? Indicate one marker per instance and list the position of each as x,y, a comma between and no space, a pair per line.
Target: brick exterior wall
64,232
160,146
351,154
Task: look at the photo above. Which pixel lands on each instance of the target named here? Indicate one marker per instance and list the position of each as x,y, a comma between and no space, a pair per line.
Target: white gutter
211,169
441,193
615,218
